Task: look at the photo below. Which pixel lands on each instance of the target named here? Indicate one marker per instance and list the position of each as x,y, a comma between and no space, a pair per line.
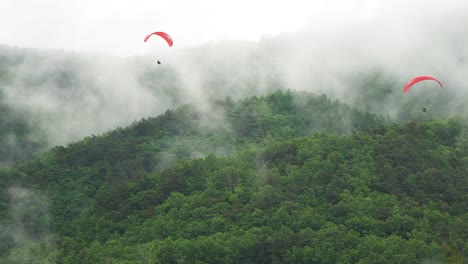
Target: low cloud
72,95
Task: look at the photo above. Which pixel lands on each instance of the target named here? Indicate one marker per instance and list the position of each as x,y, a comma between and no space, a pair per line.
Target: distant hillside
58,97
289,177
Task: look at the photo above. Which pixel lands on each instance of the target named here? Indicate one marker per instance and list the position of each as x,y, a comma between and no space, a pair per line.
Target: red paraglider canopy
418,79
163,35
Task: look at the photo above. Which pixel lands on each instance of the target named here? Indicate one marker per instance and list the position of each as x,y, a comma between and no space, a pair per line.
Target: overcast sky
118,26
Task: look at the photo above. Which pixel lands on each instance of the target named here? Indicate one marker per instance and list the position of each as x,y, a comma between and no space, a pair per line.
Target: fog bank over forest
70,95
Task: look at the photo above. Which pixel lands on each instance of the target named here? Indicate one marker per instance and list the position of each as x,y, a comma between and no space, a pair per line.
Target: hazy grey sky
118,26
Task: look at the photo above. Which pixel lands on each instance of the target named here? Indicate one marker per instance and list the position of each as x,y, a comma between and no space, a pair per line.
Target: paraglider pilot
160,63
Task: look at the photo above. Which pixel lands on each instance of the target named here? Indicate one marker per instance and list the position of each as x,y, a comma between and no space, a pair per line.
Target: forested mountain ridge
84,94
289,177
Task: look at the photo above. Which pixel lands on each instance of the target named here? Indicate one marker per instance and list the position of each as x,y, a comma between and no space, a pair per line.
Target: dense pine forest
286,177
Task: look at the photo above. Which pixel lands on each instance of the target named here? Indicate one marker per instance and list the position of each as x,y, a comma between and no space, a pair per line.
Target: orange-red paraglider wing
163,35
418,79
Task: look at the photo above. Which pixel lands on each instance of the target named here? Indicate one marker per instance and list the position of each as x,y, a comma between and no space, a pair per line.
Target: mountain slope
289,177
